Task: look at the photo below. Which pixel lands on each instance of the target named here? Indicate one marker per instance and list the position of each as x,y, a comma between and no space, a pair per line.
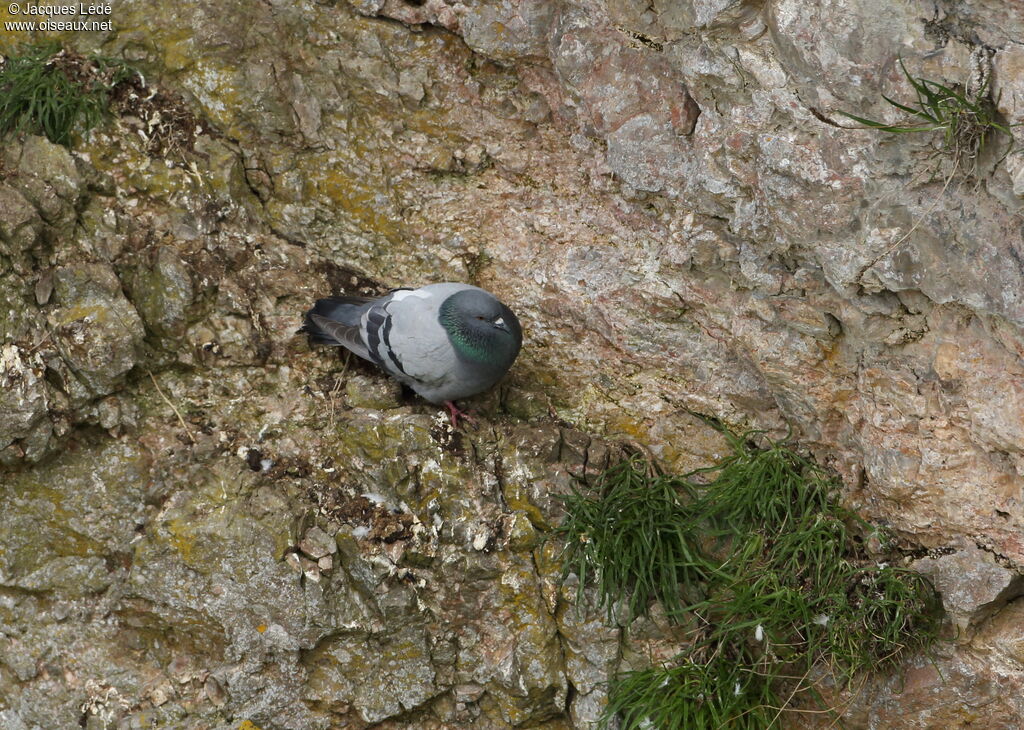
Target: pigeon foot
455,413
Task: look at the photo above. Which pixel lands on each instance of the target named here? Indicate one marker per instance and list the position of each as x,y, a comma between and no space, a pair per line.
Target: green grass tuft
634,538
691,696
966,123
49,90
762,562
884,613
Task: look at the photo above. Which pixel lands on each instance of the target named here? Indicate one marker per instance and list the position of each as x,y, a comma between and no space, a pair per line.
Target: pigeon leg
454,413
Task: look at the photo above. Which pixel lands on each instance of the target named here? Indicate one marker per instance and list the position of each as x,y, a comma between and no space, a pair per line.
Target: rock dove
445,341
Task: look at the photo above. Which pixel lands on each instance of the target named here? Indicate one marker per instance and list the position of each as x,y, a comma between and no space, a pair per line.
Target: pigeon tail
335,321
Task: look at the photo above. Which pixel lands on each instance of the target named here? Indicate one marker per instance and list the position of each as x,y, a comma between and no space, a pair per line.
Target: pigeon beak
500,324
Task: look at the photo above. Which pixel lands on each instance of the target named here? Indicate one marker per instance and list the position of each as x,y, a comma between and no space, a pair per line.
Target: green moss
755,554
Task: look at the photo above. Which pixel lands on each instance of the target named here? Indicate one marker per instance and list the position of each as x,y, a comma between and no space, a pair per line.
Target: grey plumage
445,341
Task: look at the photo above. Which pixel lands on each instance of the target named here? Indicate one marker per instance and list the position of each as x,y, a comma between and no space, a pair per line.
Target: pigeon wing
403,336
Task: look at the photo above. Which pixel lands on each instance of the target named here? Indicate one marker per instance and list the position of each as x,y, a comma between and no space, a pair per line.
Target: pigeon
445,341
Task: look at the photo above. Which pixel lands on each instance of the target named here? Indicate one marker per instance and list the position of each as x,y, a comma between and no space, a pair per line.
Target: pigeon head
481,329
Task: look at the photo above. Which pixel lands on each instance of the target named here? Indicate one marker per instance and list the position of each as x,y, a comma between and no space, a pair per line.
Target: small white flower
759,633
821,619
736,689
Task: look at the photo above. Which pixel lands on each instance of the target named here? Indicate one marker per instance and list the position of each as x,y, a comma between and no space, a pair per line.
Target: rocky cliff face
208,524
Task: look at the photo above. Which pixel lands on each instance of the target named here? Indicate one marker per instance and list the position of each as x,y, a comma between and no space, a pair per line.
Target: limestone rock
162,291
318,544
972,584
96,328
23,393
20,224
48,178
378,676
